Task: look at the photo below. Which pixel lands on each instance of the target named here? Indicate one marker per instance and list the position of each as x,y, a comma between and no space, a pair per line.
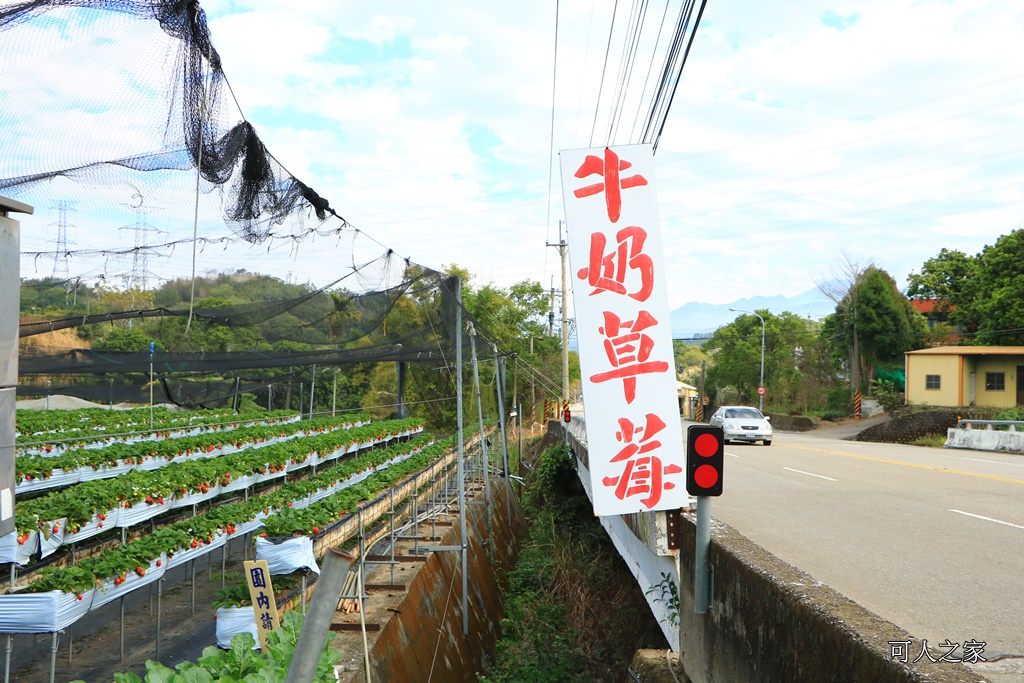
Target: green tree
124,340
992,299
877,321
944,278
736,351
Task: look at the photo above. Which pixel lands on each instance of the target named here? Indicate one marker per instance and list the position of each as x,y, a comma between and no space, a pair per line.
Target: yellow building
966,376
687,398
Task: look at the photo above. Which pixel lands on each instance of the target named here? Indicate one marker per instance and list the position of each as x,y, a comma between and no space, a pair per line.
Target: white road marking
988,519
998,462
732,455
809,474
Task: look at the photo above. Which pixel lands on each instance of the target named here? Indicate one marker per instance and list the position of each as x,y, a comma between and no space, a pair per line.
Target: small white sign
625,339
6,504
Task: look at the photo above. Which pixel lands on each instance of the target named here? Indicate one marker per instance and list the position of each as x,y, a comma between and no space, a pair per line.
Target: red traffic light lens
706,445
705,476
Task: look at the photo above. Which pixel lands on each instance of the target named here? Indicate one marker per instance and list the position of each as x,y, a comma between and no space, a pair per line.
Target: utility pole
563,253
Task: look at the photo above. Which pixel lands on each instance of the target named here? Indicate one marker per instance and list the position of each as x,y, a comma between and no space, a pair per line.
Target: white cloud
799,129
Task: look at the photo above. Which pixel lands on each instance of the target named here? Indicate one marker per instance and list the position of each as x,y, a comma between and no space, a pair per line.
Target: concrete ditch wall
772,623
424,639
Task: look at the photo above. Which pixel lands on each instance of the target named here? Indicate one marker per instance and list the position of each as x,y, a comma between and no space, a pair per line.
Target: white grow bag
287,556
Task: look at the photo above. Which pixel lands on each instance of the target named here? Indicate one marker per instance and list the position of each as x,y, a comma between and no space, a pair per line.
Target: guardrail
990,424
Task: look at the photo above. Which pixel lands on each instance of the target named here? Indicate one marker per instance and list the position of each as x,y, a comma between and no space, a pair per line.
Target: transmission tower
138,279
60,253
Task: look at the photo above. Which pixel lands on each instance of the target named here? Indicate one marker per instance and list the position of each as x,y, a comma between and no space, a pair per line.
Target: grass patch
931,441
574,612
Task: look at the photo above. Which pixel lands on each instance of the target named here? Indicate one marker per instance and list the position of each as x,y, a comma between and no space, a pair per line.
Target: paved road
930,539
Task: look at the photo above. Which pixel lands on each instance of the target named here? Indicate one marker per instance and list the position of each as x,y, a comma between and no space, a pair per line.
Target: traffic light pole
701,571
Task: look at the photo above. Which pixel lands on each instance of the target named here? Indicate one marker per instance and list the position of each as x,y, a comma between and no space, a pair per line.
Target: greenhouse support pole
224,561
192,564
520,411
463,537
480,418
334,398
304,588
302,390
53,656
121,658
312,389
152,348
159,604
7,659
499,383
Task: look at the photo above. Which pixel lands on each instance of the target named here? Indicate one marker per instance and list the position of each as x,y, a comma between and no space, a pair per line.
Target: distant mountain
697,318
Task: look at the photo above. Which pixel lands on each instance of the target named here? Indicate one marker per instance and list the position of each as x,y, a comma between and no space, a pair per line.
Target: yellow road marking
909,464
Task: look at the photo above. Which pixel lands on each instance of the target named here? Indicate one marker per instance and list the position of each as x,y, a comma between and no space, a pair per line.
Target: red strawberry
149,500
56,528
159,563
80,596
316,530
194,544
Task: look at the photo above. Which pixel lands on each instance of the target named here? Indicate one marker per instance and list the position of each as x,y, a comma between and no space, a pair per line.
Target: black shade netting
111,106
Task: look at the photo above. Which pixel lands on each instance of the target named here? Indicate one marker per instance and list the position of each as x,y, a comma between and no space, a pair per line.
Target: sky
802,135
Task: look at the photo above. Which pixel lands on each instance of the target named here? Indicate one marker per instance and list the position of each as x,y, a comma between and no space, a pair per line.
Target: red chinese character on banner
607,272
628,350
643,475
613,185
627,430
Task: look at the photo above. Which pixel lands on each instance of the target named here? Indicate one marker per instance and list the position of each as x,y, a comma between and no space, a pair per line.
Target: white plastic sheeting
12,551
61,478
171,433
42,612
287,556
234,620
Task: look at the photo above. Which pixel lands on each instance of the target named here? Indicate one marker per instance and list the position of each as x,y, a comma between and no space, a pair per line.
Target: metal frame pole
463,537
480,419
7,659
121,658
159,610
312,389
499,366
53,656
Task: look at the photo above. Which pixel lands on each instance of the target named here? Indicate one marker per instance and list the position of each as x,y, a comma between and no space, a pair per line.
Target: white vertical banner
625,335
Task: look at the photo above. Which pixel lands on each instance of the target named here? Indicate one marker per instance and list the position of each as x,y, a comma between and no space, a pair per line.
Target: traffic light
705,458
566,416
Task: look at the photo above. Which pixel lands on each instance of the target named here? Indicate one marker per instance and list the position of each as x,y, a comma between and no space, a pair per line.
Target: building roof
969,351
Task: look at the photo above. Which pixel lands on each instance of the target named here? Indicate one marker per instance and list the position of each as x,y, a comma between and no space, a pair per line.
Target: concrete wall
770,622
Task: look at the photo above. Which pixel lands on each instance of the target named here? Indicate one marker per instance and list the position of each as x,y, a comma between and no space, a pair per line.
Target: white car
743,423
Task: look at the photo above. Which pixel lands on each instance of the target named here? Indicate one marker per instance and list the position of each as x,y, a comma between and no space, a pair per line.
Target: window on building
932,381
995,381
